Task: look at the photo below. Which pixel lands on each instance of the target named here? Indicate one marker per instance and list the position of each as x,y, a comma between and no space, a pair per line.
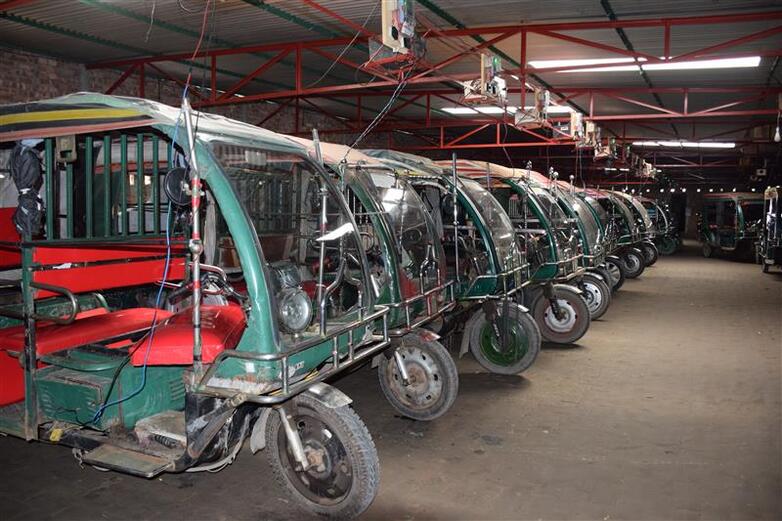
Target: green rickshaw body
640,215
494,265
731,222
266,365
406,258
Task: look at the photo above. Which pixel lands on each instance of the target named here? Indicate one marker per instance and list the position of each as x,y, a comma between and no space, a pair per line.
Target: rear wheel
633,263
650,253
566,325
433,380
596,294
615,269
510,345
344,473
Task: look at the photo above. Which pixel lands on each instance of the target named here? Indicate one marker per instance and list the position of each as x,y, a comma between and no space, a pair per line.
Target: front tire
573,322
514,353
617,273
596,294
345,475
708,251
667,246
633,263
650,253
433,379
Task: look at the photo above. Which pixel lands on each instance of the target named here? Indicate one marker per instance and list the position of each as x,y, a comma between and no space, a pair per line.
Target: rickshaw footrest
128,461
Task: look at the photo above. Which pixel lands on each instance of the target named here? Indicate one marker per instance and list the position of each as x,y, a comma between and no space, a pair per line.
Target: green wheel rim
518,344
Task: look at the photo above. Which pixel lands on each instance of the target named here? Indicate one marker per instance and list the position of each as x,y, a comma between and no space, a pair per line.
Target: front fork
548,293
287,412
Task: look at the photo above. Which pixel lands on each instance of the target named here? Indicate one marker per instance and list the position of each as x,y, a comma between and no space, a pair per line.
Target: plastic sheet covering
27,175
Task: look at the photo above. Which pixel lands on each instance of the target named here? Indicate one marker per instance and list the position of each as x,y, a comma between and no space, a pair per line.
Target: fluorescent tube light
632,65
684,144
459,110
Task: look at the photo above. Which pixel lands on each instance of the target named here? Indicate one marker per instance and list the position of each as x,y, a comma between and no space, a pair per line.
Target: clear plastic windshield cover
587,219
498,223
413,228
598,208
284,196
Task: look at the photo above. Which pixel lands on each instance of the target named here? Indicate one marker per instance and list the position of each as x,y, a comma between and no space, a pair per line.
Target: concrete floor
670,409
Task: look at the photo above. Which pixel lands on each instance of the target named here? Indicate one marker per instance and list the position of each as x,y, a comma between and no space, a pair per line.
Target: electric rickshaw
645,226
484,260
628,236
730,223
551,245
666,236
407,266
184,282
770,243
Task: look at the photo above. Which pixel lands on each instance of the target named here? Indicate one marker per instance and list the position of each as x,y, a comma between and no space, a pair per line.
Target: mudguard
327,395
596,272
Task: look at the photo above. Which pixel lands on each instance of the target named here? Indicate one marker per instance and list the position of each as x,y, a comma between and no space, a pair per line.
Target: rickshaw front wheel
597,295
708,251
344,473
650,253
616,271
667,246
573,319
510,345
633,263
433,380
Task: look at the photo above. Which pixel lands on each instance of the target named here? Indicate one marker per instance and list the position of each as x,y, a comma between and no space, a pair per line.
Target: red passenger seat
172,342
91,327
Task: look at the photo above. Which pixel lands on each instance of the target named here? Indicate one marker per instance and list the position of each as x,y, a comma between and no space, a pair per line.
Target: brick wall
28,77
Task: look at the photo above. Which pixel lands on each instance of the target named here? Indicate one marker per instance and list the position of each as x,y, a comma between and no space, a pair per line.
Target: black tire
596,294
348,442
650,252
569,329
522,337
615,269
766,267
633,263
434,379
708,251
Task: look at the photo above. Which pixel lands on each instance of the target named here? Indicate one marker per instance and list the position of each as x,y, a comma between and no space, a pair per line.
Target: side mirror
176,184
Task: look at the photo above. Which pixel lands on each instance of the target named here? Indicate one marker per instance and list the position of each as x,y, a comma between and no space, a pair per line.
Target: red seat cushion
172,342
90,327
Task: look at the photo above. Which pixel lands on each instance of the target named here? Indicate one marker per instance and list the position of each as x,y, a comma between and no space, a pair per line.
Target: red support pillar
298,69
667,41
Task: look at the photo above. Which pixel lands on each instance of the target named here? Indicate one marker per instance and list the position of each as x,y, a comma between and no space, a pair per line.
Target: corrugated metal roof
139,27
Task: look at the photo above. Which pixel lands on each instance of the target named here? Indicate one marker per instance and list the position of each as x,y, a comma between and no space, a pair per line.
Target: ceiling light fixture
684,144
634,65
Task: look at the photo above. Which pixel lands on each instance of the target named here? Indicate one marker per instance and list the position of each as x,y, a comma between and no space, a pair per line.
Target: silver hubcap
615,273
425,386
594,298
631,263
563,324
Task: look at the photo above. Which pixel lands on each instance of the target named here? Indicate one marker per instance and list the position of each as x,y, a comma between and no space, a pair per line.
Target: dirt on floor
669,408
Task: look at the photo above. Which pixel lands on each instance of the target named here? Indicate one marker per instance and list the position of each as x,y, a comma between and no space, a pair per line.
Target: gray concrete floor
670,409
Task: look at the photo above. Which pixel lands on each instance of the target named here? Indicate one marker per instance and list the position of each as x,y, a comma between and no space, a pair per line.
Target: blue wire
99,412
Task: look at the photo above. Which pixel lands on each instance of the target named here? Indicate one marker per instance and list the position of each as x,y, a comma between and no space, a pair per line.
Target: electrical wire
345,49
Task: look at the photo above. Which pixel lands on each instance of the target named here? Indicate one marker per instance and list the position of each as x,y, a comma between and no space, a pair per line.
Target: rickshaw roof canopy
334,153
85,112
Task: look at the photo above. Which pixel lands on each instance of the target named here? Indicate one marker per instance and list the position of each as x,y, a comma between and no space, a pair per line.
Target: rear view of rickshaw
730,223
484,260
770,243
407,267
551,245
213,315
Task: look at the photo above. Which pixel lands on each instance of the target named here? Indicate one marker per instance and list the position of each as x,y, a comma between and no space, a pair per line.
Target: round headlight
295,310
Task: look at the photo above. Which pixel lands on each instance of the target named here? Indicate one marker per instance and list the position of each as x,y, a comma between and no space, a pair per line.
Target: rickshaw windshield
586,217
598,208
497,221
286,200
641,212
413,229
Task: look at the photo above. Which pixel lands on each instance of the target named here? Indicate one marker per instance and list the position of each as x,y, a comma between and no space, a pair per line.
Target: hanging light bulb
684,190
734,188
698,190
777,137
711,190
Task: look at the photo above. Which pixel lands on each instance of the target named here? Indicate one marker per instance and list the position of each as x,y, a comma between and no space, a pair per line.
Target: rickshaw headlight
295,310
